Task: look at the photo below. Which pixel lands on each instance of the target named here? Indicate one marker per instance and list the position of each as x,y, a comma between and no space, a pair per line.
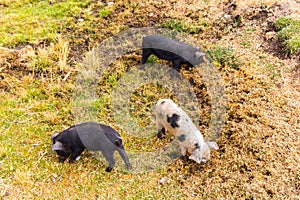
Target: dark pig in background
176,52
92,136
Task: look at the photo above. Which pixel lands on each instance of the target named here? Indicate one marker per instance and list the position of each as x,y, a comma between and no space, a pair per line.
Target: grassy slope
259,147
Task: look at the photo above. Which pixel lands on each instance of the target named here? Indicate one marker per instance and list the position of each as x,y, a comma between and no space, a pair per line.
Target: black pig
92,136
176,52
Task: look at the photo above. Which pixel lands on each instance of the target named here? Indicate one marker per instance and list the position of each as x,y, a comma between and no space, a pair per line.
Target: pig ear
199,54
193,157
213,145
54,135
58,146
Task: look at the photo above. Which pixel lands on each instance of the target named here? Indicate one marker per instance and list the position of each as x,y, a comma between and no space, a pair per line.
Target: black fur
90,136
73,146
164,48
173,120
165,55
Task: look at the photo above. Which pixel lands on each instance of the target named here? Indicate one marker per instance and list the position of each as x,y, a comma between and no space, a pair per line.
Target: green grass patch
288,31
152,59
224,56
36,21
104,13
181,26
175,25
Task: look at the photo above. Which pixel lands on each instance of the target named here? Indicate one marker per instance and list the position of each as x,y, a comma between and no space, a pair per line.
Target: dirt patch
14,62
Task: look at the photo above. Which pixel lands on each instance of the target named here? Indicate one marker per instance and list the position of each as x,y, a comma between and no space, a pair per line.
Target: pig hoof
108,169
185,158
161,133
71,161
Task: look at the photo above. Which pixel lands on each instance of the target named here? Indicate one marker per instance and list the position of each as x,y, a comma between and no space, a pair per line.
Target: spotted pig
170,117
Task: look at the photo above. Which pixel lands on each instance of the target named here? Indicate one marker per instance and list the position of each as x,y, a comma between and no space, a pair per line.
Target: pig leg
124,157
109,156
146,53
183,153
161,132
160,129
176,66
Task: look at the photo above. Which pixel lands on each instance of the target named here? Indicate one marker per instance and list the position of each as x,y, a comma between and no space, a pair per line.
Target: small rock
292,105
110,3
227,16
162,181
36,144
271,35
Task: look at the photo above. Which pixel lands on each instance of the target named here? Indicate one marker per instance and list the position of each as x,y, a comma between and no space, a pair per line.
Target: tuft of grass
104,13
175,25
224,56
180,26
152,59
288,31
283,22
50,59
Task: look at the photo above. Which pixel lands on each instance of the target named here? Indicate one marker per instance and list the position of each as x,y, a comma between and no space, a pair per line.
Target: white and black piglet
92,136
170,117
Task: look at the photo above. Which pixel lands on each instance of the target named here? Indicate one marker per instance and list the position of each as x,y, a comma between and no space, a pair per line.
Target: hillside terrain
253,45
